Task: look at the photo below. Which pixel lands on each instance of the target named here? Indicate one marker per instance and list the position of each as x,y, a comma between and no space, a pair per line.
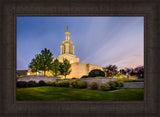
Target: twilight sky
98,40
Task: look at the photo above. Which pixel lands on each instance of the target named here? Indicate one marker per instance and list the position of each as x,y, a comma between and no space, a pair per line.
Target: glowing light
71,61
28,73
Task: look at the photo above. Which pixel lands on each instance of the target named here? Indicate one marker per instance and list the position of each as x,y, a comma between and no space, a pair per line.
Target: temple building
67,52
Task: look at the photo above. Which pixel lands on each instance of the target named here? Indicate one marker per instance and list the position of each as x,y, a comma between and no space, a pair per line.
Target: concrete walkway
134,85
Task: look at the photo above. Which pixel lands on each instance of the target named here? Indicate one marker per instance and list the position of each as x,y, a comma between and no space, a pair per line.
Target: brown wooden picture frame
12,8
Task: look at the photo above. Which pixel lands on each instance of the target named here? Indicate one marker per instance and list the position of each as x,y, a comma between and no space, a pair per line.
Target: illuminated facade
81,69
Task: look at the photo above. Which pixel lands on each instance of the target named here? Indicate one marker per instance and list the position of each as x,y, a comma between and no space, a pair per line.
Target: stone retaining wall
134,85
98,80
38,78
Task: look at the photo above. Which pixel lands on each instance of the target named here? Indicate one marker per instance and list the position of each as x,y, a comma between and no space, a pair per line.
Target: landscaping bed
111,85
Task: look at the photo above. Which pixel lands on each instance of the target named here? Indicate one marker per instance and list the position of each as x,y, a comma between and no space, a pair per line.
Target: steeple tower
67,34
67,49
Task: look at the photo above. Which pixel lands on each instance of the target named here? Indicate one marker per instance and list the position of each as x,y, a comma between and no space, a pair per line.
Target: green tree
55,67
65,68
35,64
46,60
61,69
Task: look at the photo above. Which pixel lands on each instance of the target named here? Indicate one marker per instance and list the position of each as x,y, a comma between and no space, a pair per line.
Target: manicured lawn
47,93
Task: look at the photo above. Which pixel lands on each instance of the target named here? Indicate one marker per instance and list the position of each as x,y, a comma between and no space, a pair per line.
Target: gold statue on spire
67,28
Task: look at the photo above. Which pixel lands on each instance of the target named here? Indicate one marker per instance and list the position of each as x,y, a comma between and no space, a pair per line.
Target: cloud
120,48
98,40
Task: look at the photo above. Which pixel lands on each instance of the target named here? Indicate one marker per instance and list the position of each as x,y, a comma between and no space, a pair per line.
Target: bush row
74,84
111,85
78,84
21,84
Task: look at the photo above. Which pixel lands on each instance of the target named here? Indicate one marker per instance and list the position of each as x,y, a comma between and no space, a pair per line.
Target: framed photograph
94,53
76,59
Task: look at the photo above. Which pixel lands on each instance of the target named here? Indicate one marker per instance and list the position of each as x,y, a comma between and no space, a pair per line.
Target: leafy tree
61,69
64,68
111,70
96,72
123,71
139,71
55,67
128,70
46,60
35,64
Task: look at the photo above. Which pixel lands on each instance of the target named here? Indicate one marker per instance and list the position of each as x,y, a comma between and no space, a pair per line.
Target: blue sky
98,40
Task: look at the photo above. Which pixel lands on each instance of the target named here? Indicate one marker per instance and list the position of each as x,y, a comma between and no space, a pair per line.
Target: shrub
31,84
49,83
96,72
120,76
74,78
117,83
54,83
64,83
21,84
61,84
93,85
105,87
74,84
112,85
81,84
22,75
58,80
121,83
85,76
41,83
57,84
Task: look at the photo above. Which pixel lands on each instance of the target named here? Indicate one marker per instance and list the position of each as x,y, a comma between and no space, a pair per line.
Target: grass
47,93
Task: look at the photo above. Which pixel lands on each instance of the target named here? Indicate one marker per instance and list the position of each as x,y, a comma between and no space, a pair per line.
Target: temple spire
67,34
67,28
67,49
